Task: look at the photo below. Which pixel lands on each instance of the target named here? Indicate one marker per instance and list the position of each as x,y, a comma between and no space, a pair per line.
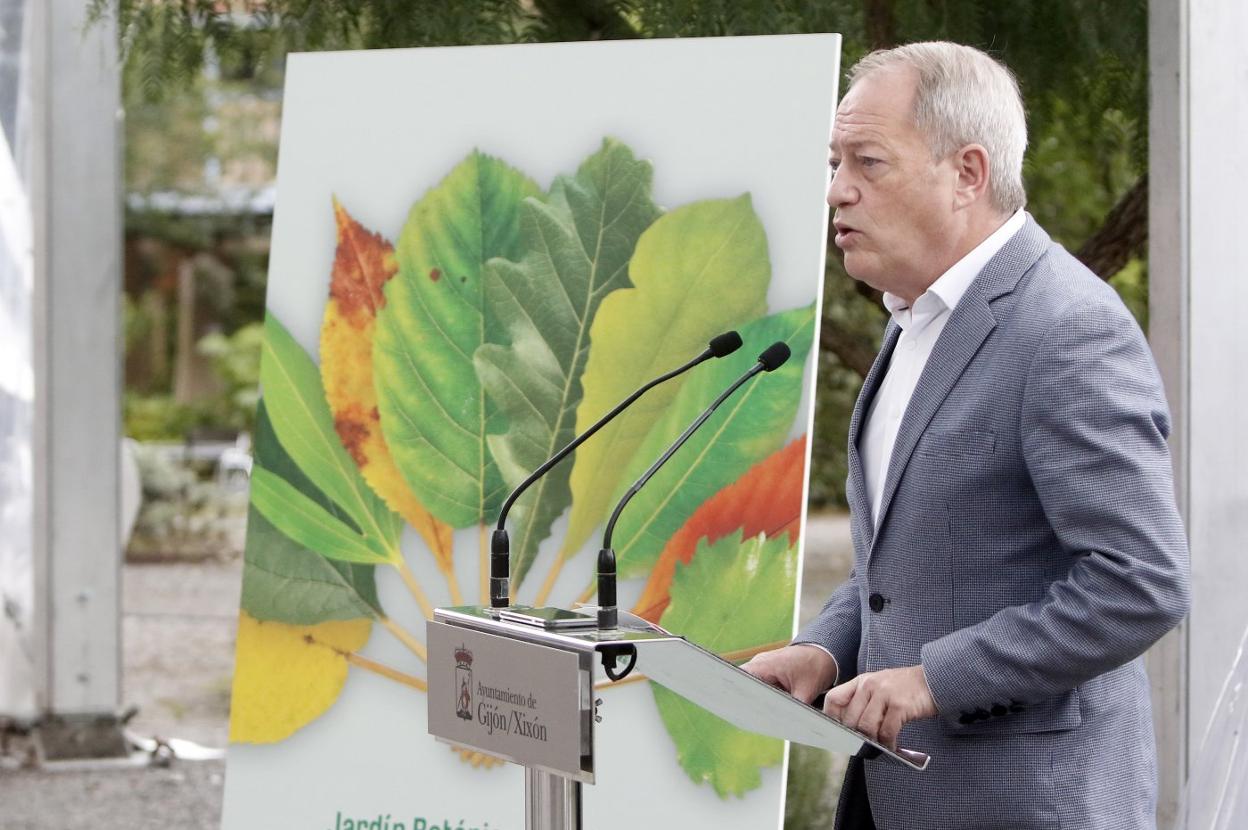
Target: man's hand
879,703
803,671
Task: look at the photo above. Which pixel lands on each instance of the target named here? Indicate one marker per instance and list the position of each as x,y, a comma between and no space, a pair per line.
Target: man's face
893,202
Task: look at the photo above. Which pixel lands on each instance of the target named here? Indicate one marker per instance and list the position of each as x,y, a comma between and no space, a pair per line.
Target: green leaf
699,270
576,246
307,523
284,581
292,387
734,594
434,413
746,428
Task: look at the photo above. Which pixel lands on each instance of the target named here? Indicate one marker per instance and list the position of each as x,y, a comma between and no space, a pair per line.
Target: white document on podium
742,699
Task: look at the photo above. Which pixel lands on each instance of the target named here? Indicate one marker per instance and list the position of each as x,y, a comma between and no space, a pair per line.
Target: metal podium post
551,802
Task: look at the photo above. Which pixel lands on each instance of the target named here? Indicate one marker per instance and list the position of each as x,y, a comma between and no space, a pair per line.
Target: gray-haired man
1016,541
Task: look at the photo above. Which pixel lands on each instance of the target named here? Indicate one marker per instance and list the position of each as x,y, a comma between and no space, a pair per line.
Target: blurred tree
1082,66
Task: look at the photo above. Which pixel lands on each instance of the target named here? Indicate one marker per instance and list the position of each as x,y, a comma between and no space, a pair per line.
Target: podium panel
521,701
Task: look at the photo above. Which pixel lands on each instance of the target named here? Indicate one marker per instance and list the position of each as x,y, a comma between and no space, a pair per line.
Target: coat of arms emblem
463,683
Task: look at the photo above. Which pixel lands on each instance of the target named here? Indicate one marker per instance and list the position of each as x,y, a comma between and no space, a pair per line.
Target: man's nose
841,191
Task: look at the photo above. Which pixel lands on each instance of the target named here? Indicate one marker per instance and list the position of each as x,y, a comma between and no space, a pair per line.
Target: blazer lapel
968,327
860,503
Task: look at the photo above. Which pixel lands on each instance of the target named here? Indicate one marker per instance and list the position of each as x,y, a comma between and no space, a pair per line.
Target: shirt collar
946,292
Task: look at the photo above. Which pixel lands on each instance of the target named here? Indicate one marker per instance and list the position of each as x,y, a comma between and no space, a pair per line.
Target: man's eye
833,163
867,161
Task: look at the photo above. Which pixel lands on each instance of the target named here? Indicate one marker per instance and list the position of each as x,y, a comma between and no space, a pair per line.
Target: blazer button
966,719
876,601
998,710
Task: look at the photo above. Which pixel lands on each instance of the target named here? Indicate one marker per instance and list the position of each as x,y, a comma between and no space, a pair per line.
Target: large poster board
476,253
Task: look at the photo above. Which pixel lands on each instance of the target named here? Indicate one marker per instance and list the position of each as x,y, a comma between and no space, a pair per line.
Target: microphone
772,358
500,545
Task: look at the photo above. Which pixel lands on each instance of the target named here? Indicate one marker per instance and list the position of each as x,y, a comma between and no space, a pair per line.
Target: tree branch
584,20
880,24
853,352
1122,235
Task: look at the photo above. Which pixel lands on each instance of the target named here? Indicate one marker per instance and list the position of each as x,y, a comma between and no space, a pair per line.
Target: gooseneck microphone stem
670,451
500,545
580,439
608,613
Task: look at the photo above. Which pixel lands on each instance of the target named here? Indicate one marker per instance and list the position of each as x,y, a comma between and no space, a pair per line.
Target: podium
525,693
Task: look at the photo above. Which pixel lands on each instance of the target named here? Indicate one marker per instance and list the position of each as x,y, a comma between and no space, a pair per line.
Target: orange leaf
767,500
363,263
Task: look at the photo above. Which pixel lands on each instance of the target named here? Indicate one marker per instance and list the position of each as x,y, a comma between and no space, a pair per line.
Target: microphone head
725,344
774,356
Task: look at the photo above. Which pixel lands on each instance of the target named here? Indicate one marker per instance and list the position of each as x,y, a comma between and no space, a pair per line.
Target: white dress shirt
921,325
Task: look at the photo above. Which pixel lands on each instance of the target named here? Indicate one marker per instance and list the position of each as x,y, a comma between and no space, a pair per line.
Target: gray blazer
1030,550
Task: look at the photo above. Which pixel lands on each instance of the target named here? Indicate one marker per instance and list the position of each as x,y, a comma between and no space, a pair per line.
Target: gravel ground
186,796
178,634
179,623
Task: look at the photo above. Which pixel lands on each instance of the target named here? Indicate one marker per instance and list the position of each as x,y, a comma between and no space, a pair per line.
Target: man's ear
971,165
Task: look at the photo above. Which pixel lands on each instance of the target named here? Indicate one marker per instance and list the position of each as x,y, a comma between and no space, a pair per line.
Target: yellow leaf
364,262
286,676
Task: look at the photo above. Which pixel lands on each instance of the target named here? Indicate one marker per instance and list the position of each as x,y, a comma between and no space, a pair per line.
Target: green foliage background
1082,66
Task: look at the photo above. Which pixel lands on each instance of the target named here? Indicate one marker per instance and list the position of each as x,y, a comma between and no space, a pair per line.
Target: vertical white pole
1217,167
76,213
1198,260
1168,334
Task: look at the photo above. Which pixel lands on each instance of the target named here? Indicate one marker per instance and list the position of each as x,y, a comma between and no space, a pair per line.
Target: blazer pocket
958,443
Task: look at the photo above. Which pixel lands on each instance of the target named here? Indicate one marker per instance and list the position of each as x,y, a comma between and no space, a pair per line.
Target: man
1016,541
